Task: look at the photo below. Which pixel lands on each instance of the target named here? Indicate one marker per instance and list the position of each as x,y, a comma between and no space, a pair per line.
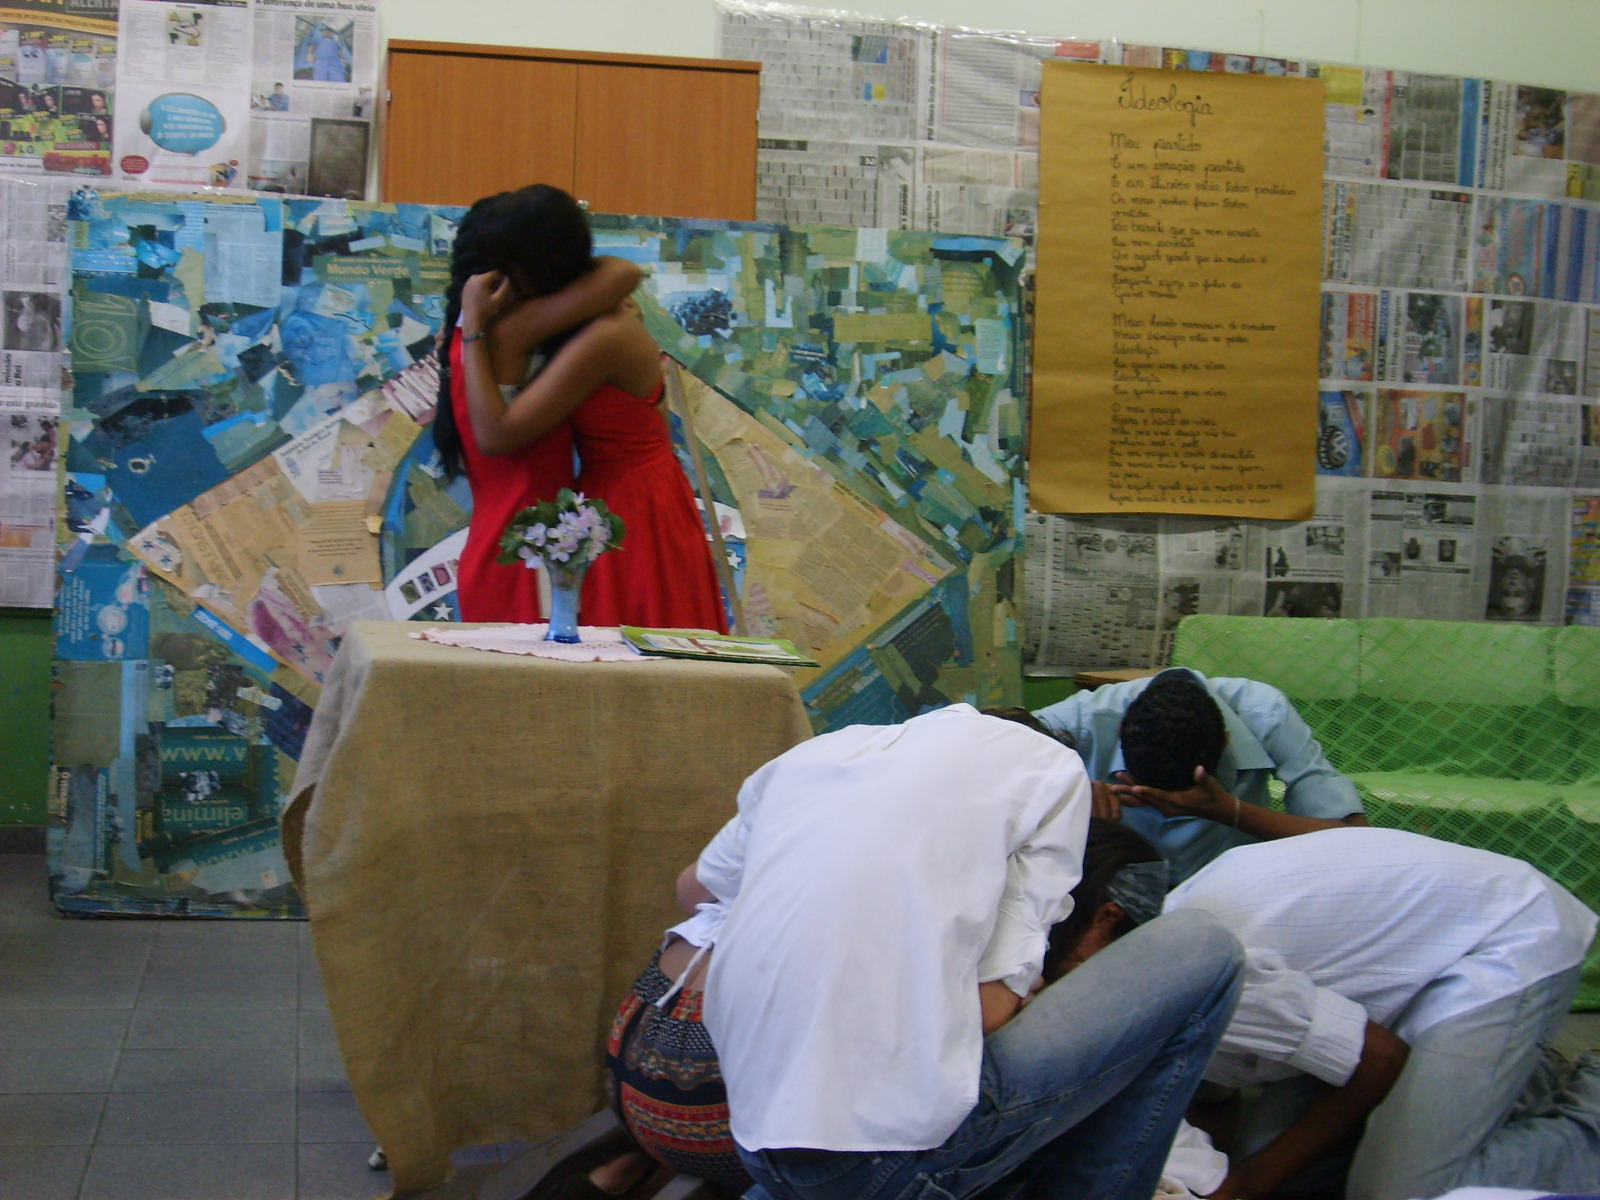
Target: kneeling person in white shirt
1407,983
889,889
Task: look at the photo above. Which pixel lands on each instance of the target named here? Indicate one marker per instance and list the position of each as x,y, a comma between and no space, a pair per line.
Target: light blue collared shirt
1266,738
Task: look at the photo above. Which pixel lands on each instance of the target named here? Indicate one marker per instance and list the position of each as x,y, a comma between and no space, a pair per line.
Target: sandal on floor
595,1139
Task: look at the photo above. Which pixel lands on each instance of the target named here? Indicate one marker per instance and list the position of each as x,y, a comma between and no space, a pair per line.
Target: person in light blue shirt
1187,762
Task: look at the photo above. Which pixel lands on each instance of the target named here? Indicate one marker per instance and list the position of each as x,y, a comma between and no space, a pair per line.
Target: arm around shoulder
535,320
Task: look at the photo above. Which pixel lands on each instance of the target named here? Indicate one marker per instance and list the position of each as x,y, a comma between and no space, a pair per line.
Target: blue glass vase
566,583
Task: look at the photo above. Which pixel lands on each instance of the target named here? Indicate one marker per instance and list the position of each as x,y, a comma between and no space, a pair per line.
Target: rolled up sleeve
1040,876
1285,1025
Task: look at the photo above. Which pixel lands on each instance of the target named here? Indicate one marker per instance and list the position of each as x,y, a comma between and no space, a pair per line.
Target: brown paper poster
1175,345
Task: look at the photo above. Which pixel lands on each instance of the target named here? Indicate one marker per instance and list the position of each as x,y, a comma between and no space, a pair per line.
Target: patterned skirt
666,1084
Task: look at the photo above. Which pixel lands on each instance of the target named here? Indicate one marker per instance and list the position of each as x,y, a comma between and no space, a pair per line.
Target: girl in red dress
605,379
556,293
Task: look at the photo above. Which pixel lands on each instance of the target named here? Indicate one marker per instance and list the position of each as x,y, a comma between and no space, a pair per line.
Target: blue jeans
1444,1123
1080,1094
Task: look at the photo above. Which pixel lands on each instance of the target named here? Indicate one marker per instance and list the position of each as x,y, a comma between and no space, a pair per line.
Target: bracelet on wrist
473,337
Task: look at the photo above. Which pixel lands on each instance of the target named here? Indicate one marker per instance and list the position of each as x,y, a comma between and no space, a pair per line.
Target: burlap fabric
487,846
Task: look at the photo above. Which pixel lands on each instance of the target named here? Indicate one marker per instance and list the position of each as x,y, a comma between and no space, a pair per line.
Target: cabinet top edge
737,66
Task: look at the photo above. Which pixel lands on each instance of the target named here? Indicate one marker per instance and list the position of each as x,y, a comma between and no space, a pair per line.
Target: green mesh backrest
1575,681
1575,666
1486,735
1306,659
1455,661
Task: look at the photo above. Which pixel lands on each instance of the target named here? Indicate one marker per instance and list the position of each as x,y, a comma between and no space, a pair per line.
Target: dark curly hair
1172,727
1111,847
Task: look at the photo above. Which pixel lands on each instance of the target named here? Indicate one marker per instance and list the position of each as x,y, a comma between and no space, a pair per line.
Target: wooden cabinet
628,133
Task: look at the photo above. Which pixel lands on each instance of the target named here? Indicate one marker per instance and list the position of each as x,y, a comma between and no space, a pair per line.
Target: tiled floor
173,1060
191,1060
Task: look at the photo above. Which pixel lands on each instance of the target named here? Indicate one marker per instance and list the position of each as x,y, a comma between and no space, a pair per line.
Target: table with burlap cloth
487,846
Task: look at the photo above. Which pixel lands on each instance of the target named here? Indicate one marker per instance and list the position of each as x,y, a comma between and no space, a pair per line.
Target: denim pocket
818,1169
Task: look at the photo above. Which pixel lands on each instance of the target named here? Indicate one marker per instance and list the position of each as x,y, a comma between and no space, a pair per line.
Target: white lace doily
599,644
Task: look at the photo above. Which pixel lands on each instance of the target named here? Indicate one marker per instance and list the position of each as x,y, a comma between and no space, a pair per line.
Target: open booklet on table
702,643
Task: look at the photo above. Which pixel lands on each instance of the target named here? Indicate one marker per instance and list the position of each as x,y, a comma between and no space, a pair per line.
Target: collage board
249,468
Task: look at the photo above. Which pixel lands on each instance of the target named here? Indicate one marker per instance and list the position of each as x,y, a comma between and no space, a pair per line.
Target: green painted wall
24,715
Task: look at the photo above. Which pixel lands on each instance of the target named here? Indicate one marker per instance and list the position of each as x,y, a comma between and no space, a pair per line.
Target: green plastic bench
1477,733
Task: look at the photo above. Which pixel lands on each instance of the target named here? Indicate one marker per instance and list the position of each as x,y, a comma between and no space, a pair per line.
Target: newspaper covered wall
1458,452
216,95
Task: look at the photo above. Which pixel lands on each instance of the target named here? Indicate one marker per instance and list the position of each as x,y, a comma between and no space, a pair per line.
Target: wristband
472,337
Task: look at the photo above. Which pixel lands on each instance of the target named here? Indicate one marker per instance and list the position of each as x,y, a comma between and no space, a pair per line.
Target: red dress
502,486
663,574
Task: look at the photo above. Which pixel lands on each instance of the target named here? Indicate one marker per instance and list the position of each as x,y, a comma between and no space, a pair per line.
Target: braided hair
1172,727
539,237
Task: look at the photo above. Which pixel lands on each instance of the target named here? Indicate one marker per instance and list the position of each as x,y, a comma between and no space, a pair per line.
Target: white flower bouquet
568,532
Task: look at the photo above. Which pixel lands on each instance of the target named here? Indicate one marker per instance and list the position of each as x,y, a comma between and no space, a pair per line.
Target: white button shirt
1347,925
873,877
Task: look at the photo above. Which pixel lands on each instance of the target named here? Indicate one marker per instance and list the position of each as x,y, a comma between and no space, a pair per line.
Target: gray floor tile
228,1172
252,987
264,939
212,1069
84,1028
321,1069
55,1069
106,934
46,989
63,1119
312,994
224,954
201,1117
203,1028
64,952
41,1172
331,1117
316,1027
339,1172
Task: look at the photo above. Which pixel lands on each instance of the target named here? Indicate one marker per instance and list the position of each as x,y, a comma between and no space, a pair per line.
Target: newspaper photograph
1522,570
57,87
313,89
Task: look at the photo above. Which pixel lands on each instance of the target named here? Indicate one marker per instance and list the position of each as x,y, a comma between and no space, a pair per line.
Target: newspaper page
57,86
1421,546
897,126
185,115
271,95
313,88
831,75
1092,592
32,262
1521,568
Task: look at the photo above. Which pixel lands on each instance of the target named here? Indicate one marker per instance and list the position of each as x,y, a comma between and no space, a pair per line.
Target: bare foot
621,1173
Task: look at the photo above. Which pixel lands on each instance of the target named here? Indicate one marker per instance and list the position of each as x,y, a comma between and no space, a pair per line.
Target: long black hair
539,237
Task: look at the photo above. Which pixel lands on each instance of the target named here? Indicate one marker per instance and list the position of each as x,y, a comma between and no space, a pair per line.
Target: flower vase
566,583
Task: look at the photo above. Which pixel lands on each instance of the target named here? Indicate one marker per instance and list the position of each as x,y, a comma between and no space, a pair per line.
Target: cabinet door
667,142
463,126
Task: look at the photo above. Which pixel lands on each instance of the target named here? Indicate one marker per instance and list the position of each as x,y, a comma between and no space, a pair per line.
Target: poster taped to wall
1425,261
